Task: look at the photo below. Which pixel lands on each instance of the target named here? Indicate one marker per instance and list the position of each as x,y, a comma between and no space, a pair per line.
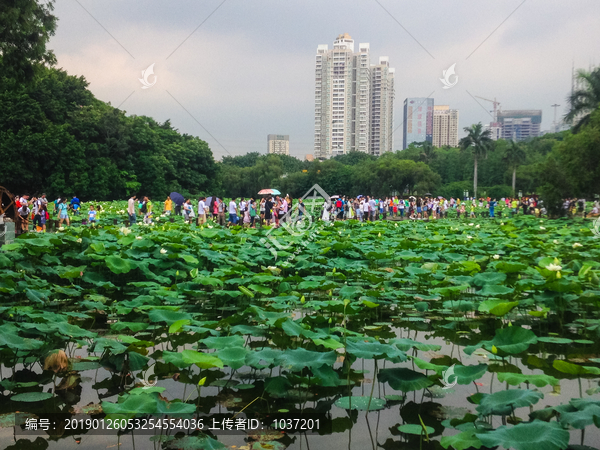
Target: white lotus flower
477,226
577,244
469,237
80,240
542,228
496,256
554,267
139,238
555,241
471,224
501,223
61,228
163,251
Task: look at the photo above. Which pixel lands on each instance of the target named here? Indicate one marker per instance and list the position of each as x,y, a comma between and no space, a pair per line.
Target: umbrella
359,196
429,194
177,198
269,192
334,196
210,201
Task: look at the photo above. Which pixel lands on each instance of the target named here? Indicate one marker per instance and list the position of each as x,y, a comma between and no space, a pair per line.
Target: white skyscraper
344,100
382,107
445,126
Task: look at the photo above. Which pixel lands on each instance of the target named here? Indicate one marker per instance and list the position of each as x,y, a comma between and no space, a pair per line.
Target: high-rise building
520,124
382,107
445,126
344,99
418,121
278,144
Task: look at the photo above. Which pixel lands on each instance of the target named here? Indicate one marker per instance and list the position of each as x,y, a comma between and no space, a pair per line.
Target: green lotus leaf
269,356
481,279
581,418
360,403
328,376
31,397
493,290
536,435
202,360
167,316
461,441
502,403
118,265
538,380
574,369
415,429
299,358
234,357
221,342
278,386
403,379
468,374
369,350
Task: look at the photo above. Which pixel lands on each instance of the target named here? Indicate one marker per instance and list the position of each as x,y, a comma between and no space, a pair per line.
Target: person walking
148,211
24,212
233,212
221,212
202,211
492,206
75,205
168,210
44,216
188,211
62,213
92,215
131,209
252,213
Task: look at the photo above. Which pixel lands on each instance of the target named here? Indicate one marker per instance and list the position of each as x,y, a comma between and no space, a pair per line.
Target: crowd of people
36,210
273,209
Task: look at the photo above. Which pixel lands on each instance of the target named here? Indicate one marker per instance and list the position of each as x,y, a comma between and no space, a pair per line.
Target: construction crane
496,109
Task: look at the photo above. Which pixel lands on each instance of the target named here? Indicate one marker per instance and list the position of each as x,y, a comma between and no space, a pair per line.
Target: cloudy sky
233,71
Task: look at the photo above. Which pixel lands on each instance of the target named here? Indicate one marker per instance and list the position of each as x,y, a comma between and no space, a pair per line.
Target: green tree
584,101
25,28
477,142
514,155
427,154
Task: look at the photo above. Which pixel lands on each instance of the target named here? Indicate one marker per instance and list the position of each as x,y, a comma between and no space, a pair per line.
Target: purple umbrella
177,198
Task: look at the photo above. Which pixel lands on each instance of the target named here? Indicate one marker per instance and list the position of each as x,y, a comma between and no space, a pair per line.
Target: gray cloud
248,70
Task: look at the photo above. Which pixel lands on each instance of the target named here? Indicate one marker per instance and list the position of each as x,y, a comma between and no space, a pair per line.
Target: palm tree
479,143
427,154
585,100
513,157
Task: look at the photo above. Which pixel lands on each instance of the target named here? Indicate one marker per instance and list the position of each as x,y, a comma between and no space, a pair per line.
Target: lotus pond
410,335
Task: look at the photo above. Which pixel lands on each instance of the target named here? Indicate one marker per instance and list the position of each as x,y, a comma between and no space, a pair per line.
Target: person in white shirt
233,212
242,206
365,205
131,209
201,211
372,209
